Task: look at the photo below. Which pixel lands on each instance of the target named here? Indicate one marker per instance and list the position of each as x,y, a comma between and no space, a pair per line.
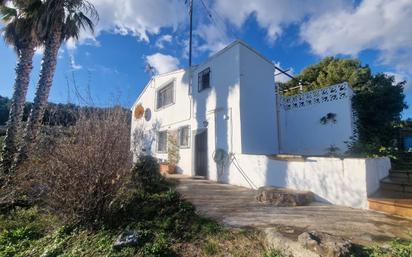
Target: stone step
402,166
400,207
400,174
397,185
392,203
406,159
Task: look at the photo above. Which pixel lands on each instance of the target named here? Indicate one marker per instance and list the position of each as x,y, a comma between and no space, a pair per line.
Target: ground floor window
184,134
162,141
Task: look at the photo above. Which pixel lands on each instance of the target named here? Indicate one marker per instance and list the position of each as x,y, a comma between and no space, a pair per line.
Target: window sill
164,107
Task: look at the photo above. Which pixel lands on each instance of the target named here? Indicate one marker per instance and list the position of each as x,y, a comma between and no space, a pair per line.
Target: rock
126,238
325,245
284,197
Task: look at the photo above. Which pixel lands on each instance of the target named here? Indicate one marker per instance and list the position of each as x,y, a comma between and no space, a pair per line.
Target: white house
231,124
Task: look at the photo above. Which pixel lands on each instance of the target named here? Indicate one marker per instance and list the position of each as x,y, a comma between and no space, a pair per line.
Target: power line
212,19
232,32
283,72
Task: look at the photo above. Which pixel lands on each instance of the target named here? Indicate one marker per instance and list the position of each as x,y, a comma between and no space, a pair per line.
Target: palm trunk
48,67
14,125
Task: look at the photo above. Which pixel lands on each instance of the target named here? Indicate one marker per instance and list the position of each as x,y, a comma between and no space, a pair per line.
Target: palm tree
60,20
19,32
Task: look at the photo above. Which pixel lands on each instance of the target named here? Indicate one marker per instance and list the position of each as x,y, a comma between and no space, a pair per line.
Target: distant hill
56,114
4,110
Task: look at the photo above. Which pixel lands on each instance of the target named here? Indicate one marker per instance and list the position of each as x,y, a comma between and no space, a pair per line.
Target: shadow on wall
212,111
332,180
143,140
327,178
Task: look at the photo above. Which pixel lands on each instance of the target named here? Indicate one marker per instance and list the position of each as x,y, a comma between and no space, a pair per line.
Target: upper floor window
184,136
165,95
162,141
204,79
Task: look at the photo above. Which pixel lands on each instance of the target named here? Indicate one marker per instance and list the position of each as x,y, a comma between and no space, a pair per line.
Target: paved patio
236,207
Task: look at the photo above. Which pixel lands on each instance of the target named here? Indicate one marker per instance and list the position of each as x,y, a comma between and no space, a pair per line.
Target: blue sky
110,65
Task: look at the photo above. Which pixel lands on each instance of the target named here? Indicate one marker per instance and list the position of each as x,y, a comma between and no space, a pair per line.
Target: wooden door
201,154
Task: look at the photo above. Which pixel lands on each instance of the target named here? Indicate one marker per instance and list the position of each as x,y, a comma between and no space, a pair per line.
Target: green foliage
160,247
331,71
55,114
378,106
20,228
332,151
272,253
372,150
210,248
165,225
397,247
377,103
146,175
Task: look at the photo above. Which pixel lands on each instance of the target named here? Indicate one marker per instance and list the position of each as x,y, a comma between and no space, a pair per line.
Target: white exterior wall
345,182
301,131
169,118
219,105
376,169
257,104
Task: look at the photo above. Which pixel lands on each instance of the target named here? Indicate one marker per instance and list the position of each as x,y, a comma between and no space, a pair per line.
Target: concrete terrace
236,207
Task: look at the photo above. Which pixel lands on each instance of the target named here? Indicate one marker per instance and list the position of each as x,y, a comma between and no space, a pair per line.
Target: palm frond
19,19
7,13
81,15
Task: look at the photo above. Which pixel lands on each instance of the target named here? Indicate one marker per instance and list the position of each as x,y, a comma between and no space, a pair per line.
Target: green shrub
371,150
146,175
160,247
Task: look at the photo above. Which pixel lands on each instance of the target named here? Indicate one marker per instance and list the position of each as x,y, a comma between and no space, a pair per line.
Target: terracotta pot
171,169
164,168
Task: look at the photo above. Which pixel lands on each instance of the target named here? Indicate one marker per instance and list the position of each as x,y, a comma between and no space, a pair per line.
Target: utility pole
190,36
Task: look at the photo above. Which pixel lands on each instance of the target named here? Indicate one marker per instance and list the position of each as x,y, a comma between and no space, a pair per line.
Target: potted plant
173,155
164,167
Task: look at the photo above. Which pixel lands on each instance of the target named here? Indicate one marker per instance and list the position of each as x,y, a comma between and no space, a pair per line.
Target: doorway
201,159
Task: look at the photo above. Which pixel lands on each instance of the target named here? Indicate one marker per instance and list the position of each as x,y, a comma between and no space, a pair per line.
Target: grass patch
31,232
272,253
20,229
395,248
34,233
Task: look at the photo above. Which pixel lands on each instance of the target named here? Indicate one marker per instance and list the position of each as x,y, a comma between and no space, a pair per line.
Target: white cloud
60,54
139,17
160,43
399,77
213,38
39,50
330,27
373,24
73,64
273,15
71,44
162,63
